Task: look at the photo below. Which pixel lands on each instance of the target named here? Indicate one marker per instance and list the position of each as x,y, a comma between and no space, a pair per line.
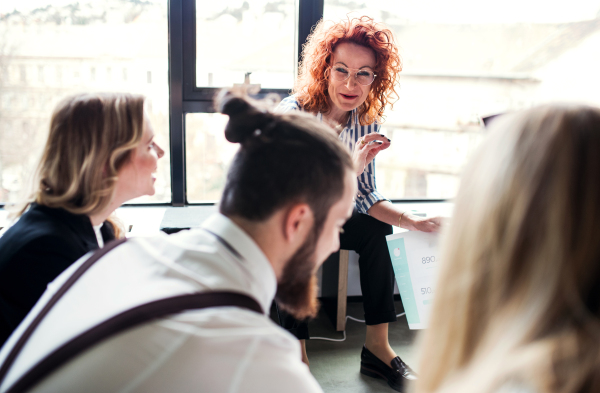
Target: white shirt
99,235
224,349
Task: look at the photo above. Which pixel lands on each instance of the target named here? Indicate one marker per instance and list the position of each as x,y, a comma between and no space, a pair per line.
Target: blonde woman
99,154
517,307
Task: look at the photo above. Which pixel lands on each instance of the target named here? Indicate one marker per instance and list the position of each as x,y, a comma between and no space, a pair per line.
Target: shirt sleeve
288,104
367,189
272,368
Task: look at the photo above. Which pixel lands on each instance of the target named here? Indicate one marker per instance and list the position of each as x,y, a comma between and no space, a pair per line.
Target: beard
297,288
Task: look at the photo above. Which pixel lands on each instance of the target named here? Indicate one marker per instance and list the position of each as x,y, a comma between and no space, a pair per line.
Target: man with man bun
288,193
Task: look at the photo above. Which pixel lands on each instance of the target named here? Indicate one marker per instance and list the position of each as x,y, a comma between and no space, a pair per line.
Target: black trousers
365,235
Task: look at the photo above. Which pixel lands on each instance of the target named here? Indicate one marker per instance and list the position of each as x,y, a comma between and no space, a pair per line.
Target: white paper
415,260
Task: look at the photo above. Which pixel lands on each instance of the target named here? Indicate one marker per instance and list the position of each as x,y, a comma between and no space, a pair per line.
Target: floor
336,365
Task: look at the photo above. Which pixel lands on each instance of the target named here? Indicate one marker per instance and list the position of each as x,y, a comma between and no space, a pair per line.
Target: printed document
415,260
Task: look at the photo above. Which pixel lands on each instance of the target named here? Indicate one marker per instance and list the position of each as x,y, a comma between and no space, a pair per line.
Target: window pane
208,156
237,37
59,49
467,59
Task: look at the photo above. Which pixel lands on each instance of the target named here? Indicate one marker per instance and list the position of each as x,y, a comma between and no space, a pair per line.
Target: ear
298,221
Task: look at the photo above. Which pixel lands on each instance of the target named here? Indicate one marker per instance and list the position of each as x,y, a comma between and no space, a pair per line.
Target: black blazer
33,252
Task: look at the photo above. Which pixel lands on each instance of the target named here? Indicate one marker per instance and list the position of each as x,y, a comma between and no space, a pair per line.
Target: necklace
338,124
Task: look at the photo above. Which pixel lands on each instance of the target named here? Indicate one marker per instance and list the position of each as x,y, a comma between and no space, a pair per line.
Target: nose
351,81
159,152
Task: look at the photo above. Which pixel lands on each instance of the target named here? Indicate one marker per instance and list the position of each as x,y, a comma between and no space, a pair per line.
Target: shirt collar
352,119
243,244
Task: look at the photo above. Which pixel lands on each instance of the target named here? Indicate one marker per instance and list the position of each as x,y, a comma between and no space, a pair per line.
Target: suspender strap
128,319
55,298
118,323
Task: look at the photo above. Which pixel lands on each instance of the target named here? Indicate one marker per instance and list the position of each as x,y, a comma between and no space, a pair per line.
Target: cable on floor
344,339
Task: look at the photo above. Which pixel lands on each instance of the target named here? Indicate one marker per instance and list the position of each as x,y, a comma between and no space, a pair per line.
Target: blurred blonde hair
518,299
91,137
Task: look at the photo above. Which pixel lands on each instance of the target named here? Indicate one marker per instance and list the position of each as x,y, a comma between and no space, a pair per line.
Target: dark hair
283,159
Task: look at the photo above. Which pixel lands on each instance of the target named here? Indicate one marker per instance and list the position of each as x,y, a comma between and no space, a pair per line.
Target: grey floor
336,364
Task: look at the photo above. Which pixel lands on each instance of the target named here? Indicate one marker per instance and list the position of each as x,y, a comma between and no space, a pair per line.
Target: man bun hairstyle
244,118
283,159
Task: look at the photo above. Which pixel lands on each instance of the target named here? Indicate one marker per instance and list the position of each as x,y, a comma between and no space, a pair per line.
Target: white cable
354,319
344,339
331,339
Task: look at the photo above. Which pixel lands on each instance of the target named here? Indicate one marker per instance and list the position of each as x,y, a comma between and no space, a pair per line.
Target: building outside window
466,59
59,74
22,74
72,39
461,60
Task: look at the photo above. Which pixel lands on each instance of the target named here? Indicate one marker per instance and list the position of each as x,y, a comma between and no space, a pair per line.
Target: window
256,46
236,39
462,60
466,59
208,155
59,74
82,46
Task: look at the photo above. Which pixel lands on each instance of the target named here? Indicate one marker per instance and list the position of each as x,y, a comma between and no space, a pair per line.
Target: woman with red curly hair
348,75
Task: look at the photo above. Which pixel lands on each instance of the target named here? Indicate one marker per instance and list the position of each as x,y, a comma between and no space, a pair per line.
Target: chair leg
342,296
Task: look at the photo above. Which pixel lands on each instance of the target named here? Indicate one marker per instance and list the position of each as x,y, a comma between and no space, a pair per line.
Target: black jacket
33,252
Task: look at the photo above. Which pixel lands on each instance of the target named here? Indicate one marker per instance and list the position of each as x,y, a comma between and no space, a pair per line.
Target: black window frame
185,97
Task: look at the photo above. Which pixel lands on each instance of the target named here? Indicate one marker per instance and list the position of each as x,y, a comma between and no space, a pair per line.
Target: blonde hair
518,298
91,137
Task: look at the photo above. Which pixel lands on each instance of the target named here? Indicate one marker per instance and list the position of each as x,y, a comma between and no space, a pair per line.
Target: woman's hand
386,212
366,149
423,224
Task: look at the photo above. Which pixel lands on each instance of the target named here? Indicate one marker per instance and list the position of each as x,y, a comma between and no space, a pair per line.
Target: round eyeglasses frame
338,76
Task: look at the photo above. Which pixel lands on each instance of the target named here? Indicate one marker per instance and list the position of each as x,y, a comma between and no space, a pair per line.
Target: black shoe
396,376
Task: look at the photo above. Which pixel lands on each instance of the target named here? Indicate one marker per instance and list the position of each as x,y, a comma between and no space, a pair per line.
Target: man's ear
297,222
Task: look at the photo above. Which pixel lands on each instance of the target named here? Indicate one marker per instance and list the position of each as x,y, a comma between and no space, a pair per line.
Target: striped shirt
367,191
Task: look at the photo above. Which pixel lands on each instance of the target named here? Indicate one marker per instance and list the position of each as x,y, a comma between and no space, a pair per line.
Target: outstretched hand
367,148
423,224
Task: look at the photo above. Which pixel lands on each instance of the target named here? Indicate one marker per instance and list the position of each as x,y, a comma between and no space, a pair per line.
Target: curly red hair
312,83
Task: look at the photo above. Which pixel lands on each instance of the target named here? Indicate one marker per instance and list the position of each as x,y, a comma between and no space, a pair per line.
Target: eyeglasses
341,73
